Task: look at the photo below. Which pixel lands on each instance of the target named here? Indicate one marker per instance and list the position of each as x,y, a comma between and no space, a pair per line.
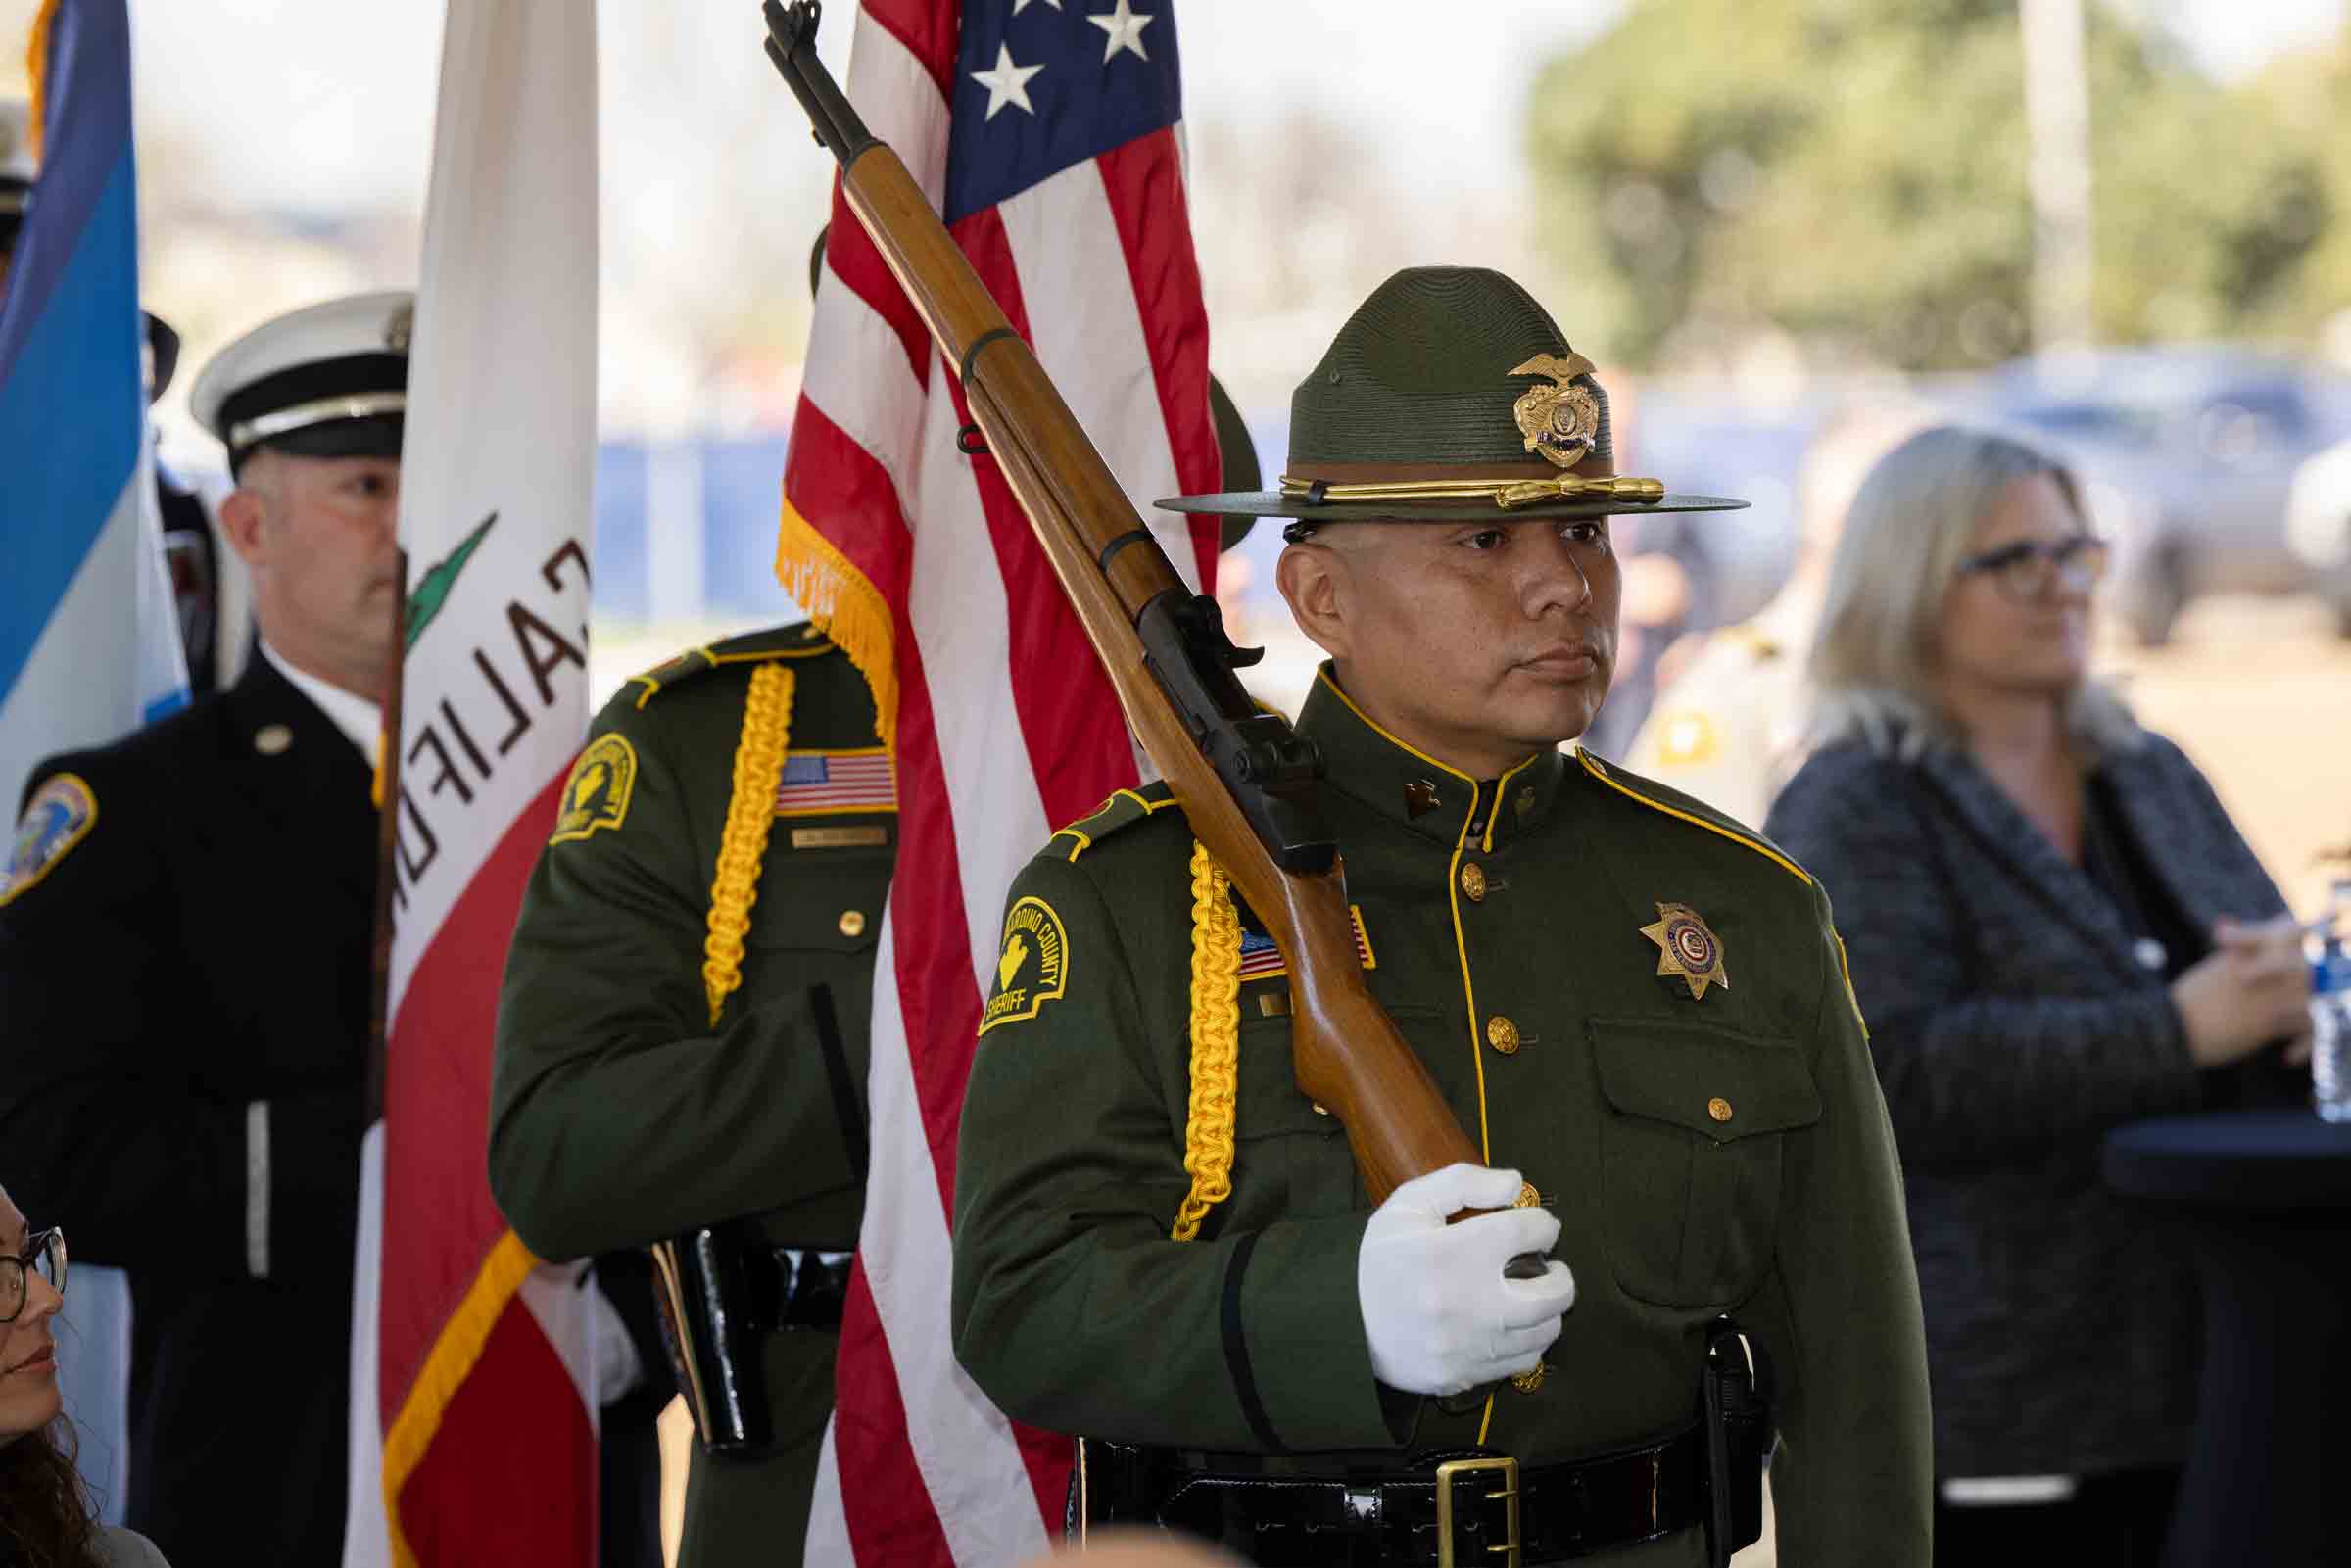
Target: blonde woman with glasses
2054,928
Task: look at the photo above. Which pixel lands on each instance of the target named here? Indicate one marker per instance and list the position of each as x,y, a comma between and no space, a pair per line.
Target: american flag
824,784
1261,955
1046,133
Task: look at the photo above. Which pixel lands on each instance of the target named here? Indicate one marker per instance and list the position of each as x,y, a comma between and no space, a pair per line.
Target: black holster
1735,1413
722,1293
706,1291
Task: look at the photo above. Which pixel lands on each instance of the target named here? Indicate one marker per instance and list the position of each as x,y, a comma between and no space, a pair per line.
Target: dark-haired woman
45,1517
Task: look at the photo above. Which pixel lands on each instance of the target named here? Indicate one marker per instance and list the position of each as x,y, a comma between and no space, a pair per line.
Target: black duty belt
1448,1509
1472,1506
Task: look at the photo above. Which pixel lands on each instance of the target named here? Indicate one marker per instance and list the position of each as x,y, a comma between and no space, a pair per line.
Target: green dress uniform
1705,1152
623,1115
1634,1001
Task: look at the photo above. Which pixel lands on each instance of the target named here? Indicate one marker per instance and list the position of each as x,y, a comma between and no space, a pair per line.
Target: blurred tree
1853,171
2309,95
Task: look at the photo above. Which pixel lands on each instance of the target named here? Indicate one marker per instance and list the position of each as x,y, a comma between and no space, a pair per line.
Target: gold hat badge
1688,948
1561,420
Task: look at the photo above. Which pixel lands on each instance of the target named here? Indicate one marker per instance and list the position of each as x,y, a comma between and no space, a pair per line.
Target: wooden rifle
1247,781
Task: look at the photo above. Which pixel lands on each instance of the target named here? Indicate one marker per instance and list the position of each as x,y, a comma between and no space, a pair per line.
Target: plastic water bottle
2330,1010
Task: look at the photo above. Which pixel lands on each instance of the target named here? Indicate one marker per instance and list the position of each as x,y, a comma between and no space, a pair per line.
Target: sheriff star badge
1686,948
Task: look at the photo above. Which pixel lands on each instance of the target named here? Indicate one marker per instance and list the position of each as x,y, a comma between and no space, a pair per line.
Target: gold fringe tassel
1216,1044
37,72
447,1366
845,607
750,813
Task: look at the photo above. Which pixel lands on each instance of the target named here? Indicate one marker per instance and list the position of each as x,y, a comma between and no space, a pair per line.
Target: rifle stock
1245,779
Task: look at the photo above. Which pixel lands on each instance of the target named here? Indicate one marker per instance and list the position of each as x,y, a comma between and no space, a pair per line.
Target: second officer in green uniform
682,1034
1637,1008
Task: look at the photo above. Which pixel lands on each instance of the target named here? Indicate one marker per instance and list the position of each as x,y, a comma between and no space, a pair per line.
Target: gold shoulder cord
750,815
1216,1044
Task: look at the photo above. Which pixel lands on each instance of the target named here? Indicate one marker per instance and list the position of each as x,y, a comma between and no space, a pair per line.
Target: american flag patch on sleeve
1261,958
827,783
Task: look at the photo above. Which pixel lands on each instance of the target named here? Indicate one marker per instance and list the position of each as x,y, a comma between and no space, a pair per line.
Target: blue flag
89,647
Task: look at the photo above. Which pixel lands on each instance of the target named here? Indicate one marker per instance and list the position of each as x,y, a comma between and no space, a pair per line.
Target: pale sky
327,104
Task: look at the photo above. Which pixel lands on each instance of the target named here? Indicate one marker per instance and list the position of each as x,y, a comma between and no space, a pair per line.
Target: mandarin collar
1414,790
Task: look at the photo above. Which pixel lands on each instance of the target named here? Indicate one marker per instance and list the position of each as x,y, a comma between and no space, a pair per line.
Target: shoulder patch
802,641
1124,809
1033,967
58,817
1673,803
596,792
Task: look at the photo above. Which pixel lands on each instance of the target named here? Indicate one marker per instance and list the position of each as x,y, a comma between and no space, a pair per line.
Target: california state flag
473,1415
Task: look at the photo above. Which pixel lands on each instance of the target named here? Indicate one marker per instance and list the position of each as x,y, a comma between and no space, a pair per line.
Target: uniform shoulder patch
595,793
1672,802
1033,966
799,641
58,817
1124,809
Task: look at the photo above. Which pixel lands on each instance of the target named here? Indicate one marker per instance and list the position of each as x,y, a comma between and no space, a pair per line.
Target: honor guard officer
1637,1008
184,955
682,1039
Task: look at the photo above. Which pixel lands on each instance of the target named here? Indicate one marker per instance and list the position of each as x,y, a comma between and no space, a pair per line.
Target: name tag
840,837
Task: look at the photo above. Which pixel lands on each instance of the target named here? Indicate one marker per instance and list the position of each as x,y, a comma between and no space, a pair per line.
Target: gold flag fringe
36,69
845,607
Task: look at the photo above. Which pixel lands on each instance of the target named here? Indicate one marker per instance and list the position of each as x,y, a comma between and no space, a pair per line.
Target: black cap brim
378,436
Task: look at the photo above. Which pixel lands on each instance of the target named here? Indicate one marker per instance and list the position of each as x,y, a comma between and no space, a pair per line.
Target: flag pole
387,842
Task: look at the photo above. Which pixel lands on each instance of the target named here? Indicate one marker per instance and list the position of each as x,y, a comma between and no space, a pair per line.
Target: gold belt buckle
1451,1470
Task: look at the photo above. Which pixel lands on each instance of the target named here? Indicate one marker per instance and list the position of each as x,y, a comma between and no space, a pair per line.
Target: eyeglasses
45,1250
2028,568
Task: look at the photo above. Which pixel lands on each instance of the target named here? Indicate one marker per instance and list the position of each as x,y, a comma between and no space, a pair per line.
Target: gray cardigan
2011,1029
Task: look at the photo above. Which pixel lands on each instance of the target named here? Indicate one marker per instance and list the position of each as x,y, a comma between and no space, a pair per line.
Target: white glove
1437,1312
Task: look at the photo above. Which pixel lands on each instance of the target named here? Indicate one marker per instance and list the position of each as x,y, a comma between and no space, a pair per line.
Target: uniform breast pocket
1691,1147
815,922
1289,1159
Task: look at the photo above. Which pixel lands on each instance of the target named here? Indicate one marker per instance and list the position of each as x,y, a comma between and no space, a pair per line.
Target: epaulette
799,641
1673,803
1123,809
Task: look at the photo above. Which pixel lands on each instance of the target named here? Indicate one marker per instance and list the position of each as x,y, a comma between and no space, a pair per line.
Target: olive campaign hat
1449,395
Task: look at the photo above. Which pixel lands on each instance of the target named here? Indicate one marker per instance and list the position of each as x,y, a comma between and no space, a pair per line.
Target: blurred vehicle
2188,455
2317,527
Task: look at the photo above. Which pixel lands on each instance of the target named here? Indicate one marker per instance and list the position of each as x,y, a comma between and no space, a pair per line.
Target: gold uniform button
1502,1034
272,740
1719,1108
1529,1381
1473,881
852,924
